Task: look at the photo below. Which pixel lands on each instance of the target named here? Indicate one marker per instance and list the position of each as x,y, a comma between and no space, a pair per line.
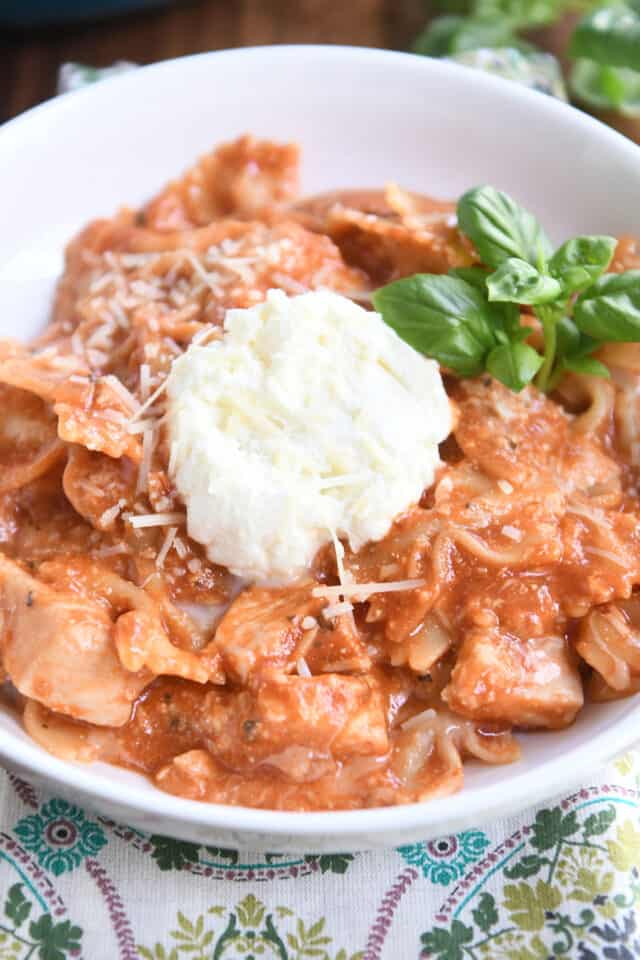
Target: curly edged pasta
497,603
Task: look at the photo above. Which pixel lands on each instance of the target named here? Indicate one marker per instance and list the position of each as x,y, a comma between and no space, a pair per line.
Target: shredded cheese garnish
309,623
112,513
336,609
148,438
505,486
180,548
154,396
111,551
141,426
199,338
166,546
155,519
125,395
303,668
145,380
360,591
607,555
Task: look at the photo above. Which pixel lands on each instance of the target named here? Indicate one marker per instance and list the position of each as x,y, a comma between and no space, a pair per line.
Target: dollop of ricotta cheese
309,416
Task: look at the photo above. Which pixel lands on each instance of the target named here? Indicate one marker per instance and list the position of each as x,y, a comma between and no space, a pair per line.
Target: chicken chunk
296,723
58,649
527,683
273,628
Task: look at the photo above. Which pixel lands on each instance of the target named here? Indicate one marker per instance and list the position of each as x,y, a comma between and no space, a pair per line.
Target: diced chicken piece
244,178
609,641
314,212
390,248
58,649
295,723
389,233
98,486
525,683
273,628
96,416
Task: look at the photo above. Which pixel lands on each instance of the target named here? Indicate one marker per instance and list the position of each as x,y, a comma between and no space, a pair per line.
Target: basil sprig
470,321
606,50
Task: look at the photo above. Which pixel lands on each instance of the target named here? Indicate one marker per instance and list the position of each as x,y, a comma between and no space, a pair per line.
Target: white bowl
363,117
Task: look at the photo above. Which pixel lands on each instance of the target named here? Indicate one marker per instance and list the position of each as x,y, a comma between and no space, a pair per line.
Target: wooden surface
29,60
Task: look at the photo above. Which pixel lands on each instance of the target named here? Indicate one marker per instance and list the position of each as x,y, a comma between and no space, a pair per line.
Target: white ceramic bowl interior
363,117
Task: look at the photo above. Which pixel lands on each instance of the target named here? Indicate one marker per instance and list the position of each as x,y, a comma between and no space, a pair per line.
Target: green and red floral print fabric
562,881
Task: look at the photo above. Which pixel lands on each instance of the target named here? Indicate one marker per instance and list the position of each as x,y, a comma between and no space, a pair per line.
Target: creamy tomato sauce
499,602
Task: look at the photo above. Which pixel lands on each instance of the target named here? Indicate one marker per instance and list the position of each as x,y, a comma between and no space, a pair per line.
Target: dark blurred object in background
37,13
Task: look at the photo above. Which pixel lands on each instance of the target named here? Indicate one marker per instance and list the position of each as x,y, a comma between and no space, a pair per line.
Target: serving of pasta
500,599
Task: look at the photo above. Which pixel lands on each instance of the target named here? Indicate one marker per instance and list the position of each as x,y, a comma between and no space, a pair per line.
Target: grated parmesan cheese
606,555
125,395
303,668
145,380
148,440
154,519
166,546
112,513
360,591
141,426
336,609
154,396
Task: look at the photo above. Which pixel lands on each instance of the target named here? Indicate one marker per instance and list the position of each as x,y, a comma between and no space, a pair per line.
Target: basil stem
548,317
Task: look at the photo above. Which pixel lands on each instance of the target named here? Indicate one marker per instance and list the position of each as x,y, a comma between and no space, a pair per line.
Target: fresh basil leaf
610,36
514,364
516,281
610,308
437,39
588,365
448,35
506,315
578,262
500,228
476,276
523,14
443,317
606,87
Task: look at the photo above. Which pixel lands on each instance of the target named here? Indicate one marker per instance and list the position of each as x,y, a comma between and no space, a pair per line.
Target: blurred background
587,51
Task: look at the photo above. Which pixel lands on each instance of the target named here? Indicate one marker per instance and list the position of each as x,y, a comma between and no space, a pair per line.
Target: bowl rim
520,787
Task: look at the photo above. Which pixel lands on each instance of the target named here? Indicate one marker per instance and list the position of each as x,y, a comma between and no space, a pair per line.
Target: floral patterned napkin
561,881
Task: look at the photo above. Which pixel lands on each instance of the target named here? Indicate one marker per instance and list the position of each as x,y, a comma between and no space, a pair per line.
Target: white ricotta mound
309,415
